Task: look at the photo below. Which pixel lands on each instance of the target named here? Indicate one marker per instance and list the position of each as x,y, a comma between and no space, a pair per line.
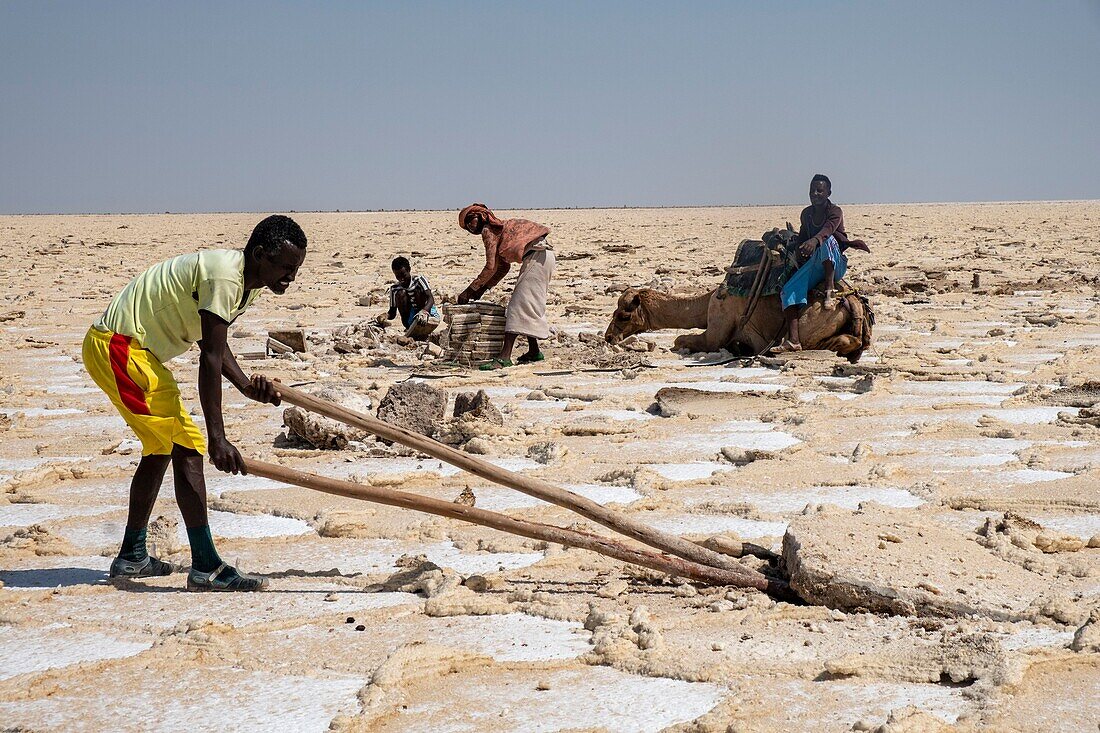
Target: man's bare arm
212,347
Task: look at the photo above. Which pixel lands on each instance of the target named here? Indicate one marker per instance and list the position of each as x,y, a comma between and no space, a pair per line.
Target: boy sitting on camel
822,242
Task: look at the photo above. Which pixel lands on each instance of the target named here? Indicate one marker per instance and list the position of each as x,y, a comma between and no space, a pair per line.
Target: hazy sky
231,106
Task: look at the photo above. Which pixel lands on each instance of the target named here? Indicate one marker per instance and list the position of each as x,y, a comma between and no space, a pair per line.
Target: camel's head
629,317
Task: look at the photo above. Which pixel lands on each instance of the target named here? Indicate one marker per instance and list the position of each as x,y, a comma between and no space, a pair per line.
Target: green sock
133,545
204,557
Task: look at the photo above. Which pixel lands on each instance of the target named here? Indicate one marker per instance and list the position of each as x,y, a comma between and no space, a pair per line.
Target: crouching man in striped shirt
412,297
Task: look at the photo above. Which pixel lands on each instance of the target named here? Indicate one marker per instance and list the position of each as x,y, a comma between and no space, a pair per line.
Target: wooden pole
742,577
531,486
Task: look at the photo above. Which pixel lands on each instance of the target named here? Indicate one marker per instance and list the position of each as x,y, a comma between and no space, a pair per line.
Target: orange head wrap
482,209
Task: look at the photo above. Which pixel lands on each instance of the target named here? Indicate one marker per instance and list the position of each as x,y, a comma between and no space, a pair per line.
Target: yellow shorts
143,390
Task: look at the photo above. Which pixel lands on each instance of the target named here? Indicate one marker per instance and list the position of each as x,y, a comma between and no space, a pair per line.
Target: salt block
414,406
477,406
887,560
294,338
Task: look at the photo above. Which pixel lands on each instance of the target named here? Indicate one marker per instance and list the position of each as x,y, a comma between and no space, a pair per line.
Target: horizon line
541,208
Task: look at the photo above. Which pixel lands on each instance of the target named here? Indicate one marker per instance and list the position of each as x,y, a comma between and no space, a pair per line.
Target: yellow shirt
160,307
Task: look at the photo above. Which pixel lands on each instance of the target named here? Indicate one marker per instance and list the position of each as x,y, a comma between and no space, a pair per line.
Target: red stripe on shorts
132,395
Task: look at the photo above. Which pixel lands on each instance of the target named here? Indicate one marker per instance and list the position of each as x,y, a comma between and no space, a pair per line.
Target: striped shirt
418,284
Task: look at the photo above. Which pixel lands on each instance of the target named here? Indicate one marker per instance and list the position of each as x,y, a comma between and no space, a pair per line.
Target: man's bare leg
506,348
533,353
187,470
829,269
791,343
133,559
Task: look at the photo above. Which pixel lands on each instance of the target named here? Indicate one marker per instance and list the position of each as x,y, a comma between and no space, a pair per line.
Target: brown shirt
832,226
505,248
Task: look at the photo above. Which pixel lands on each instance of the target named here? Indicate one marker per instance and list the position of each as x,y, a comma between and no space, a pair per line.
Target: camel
644,309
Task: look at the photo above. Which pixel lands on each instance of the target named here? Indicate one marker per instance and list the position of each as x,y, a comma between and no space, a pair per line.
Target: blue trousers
796,290
414,312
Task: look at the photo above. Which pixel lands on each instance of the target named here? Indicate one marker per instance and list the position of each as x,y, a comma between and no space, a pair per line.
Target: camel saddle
774,258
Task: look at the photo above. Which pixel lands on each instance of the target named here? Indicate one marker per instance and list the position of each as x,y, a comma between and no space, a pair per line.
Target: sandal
530,358
232,580
495,364
785,348
829,303
150,567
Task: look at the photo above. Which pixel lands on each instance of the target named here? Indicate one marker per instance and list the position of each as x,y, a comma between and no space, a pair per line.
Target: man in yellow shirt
158,316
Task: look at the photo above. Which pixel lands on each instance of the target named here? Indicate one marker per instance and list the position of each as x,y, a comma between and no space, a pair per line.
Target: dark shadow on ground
52,577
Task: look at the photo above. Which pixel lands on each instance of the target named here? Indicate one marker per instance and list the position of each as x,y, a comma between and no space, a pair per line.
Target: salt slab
837,559
24,515
230,525
716,524
848,497
23,650
836,705
39,411
499,499
1030,476
445,554
514,637
506,700
298,598
213,698
688,471
1084,526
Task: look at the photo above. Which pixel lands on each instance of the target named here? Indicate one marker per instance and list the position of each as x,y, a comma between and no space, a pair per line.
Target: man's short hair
400,262
824,179
274,233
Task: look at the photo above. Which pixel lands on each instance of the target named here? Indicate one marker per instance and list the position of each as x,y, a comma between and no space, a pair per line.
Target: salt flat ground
954,429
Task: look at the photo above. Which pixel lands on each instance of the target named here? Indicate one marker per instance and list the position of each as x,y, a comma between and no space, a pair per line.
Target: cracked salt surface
24,515
214,699
108,532
287,598
618,415
1011,415
733,387
575,699
1036,637
515,637
498,499
947,464
514,464
70,389
960,387
445,554
230,525
848,497
26,464
746,434
354,556
1036,358
907,400
688,471
716,524
839,704
1030,415
23,650
1030,475
1084,526
811,396
941,446
39,411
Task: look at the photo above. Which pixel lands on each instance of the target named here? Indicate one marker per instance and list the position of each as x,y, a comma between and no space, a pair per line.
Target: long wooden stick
533,530
528,485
